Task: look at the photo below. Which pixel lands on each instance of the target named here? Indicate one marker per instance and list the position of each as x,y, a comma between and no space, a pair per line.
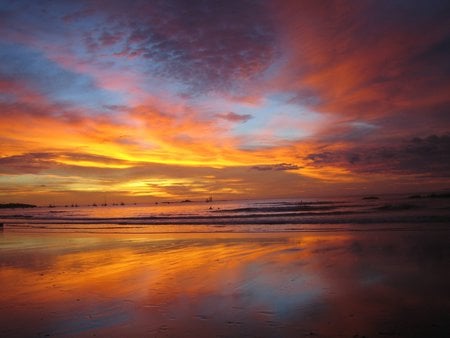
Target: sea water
351,213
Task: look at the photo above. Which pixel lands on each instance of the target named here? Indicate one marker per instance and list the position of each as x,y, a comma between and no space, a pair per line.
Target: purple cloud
233,117
276,167
31,163
421,156
205,44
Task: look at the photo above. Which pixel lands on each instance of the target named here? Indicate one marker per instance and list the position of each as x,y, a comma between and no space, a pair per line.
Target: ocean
399,212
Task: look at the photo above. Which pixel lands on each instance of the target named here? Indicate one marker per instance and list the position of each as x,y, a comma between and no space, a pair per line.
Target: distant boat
209,199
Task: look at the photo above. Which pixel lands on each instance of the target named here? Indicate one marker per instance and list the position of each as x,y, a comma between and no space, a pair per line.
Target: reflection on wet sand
205,285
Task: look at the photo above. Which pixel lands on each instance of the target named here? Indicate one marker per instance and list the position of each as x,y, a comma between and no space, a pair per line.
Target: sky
142,101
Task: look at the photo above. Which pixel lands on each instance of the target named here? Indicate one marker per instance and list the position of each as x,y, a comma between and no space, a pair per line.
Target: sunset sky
144,101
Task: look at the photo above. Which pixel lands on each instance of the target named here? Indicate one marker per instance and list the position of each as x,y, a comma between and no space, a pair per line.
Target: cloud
429,156
28,67
34,163
65,175
206,45
30,163
233,117
128,93
374,61
276,167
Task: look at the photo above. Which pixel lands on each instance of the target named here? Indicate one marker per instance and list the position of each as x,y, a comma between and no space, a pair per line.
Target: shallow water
327,284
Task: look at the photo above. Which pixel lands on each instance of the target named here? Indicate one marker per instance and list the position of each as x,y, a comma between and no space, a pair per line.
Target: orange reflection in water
326,284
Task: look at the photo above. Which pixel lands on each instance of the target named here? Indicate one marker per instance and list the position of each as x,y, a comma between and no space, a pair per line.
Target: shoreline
149,229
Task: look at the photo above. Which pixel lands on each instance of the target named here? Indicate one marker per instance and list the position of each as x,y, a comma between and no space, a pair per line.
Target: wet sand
327,284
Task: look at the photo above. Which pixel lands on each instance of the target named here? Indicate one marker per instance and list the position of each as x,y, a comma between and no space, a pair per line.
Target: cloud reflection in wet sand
271,285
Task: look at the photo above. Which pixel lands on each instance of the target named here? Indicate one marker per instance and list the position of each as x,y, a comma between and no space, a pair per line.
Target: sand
327,284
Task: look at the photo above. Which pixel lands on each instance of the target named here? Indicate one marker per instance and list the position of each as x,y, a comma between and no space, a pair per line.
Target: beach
227,168
372,283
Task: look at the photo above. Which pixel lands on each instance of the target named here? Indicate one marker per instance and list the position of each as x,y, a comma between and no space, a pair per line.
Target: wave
234,216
